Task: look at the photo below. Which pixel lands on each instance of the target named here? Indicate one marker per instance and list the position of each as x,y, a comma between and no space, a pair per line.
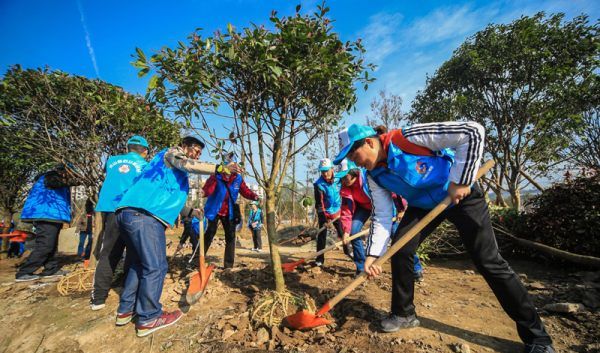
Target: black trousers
322,236
229,229
110,252
472,219
44,250
256,238
188,232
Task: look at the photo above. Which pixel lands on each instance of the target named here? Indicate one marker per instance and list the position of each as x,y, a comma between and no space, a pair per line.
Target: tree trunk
515,196
272,236
294,188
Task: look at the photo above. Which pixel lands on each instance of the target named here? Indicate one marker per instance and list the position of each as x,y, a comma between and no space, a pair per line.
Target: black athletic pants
229,229
110,253
322,236
44,250
256,238
472,219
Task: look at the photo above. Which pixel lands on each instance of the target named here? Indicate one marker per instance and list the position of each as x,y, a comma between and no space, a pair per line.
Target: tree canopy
61,118
527,82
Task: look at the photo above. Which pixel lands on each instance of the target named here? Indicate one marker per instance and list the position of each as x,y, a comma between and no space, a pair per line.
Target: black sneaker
394,322
27,278
57,274
538,348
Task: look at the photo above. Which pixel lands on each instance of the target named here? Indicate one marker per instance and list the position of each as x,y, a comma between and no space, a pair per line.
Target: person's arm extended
381,219
247,192
176,158
467,138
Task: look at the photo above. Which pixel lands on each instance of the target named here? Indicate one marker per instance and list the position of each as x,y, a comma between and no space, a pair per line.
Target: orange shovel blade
304,319
198,283
291,266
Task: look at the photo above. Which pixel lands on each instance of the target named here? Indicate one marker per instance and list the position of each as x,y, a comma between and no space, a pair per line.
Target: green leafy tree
62,118
528,83
281,88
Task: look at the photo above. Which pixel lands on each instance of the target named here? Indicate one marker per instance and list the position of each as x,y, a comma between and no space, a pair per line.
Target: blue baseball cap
325,164
349,136
137,140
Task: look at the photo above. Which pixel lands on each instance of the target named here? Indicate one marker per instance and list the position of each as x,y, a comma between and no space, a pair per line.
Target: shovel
304,231
291,266
199,280
305,320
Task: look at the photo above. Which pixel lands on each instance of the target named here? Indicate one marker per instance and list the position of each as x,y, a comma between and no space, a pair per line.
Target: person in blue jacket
47,206
120,170
328,204
150,204
425,163
255,222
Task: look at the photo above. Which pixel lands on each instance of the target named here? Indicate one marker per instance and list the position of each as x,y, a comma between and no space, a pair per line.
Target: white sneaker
96,307
258,250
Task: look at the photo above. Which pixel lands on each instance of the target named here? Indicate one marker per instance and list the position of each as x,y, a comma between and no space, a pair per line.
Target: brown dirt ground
454,304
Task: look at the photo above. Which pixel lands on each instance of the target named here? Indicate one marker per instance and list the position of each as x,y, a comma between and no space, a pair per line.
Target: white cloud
448,23
379,36
88,41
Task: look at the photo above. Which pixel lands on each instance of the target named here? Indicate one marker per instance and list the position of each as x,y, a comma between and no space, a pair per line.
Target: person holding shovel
255,222
222,191
357,208
121,170
424,163
151,204
328,203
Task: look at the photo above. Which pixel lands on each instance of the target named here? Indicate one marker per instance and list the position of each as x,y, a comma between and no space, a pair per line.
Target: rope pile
77,281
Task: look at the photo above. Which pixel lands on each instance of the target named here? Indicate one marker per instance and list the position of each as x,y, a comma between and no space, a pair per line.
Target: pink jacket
352,197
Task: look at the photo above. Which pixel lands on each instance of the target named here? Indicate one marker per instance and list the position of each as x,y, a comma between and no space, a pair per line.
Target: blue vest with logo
159,190
255,217
121,170
421,180
214,202
333,200
47,204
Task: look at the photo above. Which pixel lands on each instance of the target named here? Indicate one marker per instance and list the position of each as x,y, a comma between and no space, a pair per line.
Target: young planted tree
53,116
527,83
280,87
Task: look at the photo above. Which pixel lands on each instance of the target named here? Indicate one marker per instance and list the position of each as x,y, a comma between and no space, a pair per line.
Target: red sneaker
164,320
124,318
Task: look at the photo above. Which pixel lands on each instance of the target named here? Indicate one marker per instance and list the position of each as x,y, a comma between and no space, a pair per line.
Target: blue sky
406,39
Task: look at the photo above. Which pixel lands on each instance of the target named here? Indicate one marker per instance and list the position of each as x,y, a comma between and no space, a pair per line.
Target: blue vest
196,225
214,202
121,170
255,217
421,180
47,204
333,200
159,190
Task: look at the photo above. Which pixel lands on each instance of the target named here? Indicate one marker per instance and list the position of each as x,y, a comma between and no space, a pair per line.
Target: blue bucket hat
137,140
349,136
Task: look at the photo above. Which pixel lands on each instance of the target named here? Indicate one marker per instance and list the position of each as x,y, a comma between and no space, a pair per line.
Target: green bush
566,216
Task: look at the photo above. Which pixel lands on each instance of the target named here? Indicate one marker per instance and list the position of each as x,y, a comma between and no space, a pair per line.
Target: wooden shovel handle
331,247
402,241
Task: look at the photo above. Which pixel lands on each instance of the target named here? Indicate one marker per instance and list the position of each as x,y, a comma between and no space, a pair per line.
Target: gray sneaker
27,278
538,348
393,322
